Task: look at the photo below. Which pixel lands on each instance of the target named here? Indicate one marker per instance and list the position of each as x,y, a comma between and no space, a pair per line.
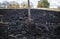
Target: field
52,9
45,24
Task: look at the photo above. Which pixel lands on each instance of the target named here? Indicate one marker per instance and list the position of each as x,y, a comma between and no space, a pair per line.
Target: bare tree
25,5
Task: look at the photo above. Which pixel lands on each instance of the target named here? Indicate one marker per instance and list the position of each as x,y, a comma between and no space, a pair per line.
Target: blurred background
33,4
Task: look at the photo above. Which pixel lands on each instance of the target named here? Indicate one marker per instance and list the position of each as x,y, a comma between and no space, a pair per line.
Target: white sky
53,3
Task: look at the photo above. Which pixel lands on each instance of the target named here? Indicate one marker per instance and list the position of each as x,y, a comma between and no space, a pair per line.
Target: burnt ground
45,24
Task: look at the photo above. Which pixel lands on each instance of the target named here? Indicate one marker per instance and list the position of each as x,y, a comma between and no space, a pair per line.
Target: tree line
13,4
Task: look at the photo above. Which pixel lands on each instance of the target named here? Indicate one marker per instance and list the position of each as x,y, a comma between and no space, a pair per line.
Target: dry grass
52,9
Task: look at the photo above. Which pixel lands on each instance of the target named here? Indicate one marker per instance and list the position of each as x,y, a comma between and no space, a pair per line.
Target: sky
53,3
